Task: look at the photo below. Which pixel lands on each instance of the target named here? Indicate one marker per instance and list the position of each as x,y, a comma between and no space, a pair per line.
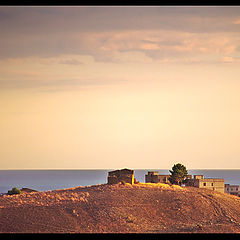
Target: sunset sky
114,87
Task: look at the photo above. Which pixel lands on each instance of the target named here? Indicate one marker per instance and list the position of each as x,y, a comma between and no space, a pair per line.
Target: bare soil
121,208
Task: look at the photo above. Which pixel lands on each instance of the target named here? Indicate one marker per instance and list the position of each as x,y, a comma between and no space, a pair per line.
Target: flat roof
210,179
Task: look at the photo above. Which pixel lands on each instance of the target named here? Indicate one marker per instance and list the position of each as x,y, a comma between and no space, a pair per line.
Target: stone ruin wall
121,176
156,178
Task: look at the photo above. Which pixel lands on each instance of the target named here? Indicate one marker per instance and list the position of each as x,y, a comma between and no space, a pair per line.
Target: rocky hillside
139,208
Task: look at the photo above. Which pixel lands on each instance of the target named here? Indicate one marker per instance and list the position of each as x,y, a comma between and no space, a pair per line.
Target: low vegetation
14,191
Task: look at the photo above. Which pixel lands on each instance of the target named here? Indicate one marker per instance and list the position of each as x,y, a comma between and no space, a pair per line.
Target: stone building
154,177
232,189
199,181
123,175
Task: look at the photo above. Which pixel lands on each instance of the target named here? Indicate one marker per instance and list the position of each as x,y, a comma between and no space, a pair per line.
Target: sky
115,87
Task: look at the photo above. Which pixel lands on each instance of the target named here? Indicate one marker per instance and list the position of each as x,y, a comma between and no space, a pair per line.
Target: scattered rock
200,226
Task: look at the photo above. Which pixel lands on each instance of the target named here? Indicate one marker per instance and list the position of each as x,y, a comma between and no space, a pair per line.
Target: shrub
14,191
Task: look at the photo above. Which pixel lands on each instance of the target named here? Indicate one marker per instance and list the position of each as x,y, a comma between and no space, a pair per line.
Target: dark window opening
204,184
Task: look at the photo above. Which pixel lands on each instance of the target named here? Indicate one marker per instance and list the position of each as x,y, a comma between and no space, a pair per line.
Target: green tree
14,191
178,175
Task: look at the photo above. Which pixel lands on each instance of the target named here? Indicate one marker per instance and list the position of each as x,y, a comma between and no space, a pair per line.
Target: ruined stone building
123,175
199,181
232,189
154,177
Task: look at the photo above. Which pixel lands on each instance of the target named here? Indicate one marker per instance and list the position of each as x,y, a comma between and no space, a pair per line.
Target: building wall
124,175
198,177
232,189
115,180
153,177
163,178
211,183
153,173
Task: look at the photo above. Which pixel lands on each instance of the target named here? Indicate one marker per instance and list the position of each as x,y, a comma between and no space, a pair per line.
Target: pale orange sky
114,87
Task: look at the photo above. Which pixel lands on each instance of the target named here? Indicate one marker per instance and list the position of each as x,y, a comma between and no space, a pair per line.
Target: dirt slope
139,208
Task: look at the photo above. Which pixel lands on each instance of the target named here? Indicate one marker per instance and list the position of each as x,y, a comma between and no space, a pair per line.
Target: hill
138,208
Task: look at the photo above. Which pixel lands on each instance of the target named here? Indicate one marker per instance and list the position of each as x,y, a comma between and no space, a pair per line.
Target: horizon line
99,169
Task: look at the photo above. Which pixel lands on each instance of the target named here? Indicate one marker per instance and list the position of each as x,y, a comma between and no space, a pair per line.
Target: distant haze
114,87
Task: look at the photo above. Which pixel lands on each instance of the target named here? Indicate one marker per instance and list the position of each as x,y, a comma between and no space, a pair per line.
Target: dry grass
120,208
158,185
49,198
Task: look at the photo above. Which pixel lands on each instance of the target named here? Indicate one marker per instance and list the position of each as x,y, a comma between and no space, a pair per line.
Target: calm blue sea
43,180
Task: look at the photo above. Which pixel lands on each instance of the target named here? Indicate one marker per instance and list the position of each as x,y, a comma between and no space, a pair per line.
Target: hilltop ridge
121,208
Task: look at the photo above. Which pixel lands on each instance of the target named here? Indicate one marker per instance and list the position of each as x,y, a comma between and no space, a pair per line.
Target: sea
45,180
